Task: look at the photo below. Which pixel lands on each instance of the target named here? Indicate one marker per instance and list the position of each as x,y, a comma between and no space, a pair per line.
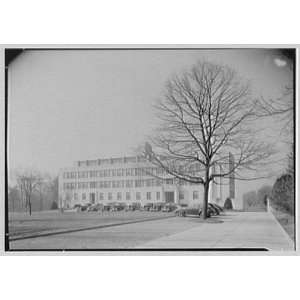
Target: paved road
238,230
232,230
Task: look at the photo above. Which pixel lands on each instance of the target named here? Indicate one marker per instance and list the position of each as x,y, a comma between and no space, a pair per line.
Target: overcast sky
86,104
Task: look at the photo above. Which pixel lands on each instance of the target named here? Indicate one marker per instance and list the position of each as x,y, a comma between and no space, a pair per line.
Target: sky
74,105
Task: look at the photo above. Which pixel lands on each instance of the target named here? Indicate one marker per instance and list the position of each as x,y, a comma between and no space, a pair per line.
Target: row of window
122,184
119,195
115,173
111,161
115,184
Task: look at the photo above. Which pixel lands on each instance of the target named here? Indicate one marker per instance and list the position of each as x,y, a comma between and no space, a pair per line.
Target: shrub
54,205
264,192
228,204
283,193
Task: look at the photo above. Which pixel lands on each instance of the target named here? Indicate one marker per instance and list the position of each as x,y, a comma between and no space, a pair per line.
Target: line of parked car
181,210
212,210
120,206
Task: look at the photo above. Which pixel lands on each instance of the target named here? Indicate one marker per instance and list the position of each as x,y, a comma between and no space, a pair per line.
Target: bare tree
282,109
28,182
206,114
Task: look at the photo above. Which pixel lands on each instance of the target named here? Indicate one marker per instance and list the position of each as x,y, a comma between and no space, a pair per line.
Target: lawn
286,220
21,224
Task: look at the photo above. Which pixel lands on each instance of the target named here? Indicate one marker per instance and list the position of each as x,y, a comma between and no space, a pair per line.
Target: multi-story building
126,179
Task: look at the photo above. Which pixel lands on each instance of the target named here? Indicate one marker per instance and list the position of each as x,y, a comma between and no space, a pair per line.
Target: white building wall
70,197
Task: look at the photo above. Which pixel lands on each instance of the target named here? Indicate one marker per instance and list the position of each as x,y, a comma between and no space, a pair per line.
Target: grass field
286,220
21,224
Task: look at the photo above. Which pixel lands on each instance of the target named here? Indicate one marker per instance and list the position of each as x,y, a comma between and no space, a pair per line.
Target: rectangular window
75,196
129,183
101,196
195,195
138,196
148,195
119,196
157,195
137,183
93,184
127,195
83,196
181,195
110,196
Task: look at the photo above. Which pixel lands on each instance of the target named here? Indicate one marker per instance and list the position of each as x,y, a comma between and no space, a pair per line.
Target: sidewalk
233,230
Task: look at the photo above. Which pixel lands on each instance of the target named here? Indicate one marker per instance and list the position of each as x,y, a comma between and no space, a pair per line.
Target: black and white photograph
150,149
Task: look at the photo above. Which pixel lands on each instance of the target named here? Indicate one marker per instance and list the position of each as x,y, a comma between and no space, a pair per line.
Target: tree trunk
41,202
206,190
205,200
29,205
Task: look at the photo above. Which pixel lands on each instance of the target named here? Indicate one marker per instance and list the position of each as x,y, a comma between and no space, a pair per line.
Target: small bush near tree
228,204
283,193
54,205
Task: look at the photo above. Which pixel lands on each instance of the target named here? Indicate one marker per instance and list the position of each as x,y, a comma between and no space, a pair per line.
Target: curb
288,238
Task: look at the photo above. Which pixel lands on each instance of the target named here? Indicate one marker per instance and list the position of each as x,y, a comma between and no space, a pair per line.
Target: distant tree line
281,195
32,191
257,200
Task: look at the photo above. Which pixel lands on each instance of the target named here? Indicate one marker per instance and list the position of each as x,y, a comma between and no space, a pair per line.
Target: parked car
169,207
191,211
215,211
148,206
95,207
84,207
114,206
107,207
77,207
157,206
121,206
133,206
218,206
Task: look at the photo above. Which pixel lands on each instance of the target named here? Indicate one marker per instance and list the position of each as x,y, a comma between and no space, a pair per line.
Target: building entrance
92,198
169,197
